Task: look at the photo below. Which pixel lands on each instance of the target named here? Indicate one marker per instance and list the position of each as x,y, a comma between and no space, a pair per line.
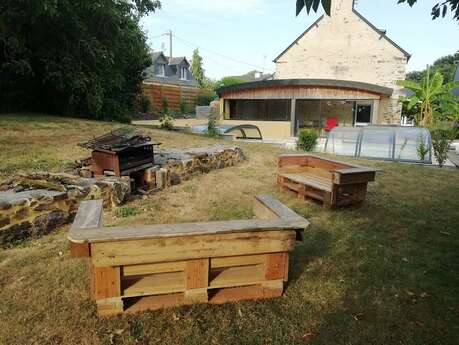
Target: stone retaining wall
35,204
182,164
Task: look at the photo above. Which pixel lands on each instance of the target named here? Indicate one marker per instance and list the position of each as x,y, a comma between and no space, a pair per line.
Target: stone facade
345,46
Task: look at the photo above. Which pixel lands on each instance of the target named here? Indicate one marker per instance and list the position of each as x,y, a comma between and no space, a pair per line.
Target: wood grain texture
197,274
185,248
139,232
106,282
275,266
165,267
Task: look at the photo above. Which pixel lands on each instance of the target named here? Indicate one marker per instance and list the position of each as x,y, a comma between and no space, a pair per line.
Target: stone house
341,70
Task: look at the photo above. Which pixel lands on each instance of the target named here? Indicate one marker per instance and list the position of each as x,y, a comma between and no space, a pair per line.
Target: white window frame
162,70
183,73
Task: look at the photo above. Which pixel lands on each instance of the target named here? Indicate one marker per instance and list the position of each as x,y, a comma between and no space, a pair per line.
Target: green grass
384,273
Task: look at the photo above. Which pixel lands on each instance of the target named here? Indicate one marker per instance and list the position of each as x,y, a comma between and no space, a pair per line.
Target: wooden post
197,280
293,117
106,289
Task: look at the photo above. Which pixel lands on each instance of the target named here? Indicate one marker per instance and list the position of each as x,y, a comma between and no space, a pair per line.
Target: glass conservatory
381,142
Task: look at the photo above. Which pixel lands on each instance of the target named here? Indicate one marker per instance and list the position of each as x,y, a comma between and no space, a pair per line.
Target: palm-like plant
431,95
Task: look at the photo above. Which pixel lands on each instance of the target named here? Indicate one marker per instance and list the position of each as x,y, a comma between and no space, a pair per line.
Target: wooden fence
175,94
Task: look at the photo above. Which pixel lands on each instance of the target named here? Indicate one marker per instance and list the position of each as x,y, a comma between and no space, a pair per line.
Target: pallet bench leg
106,289
197,281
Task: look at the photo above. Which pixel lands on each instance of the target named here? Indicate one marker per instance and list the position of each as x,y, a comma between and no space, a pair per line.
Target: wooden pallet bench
331,182
137,268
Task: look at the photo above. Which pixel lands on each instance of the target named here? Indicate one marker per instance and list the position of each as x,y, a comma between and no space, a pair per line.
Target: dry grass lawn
383,273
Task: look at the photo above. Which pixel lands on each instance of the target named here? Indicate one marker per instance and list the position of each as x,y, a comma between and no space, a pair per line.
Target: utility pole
170,43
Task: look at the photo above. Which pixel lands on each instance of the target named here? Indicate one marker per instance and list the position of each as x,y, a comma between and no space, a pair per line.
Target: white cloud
233,6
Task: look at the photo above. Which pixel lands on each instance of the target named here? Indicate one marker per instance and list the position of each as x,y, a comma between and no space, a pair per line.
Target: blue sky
236,36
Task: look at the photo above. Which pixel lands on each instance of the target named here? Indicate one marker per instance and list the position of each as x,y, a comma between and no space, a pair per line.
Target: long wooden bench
331,182
156,266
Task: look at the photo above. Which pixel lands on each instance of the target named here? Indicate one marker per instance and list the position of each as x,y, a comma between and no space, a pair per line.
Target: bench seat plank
310,180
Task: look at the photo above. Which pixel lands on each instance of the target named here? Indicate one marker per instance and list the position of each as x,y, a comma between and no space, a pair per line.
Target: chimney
341,7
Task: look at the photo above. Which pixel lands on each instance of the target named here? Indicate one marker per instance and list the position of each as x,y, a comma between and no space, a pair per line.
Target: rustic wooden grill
123,151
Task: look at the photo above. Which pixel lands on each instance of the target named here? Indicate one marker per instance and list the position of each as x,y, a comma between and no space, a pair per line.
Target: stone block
4,221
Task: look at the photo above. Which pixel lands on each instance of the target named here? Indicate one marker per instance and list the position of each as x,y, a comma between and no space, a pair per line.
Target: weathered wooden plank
196,247
80,250
237,276
164,267
310,180
276,207
110,306
155,284
232,261
89,215
275,266
197,274
353,178
106,282
254,292
137,232
155,302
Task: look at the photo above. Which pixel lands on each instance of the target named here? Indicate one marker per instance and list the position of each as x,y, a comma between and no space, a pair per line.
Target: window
363,114
161,70
183,73
260,110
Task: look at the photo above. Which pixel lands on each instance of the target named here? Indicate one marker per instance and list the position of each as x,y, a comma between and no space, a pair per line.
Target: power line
221,55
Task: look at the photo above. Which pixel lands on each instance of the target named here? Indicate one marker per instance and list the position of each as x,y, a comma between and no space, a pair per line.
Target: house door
363,114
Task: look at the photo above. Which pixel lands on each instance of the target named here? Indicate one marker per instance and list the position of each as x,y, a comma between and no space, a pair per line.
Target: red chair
332,122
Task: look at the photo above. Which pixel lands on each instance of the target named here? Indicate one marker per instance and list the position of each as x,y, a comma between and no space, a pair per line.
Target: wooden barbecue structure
151,267
328,181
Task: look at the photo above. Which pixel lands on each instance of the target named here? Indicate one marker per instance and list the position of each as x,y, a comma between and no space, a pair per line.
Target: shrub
165,103
126,211
212,130
166,122
186,108
422,148
145,104
307,140
442,135
205,97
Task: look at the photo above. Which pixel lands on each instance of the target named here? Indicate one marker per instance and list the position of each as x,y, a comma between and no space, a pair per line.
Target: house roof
316,23
156,55
381,90
178,60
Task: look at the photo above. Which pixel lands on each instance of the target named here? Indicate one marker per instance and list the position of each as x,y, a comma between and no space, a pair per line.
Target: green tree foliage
440,8
196,68
433,98
444,65
72,57
229,81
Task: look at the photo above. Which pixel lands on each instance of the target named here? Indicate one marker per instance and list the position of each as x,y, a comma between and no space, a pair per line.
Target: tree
229,81
444,65
196,68
439,9
434,98
73,57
